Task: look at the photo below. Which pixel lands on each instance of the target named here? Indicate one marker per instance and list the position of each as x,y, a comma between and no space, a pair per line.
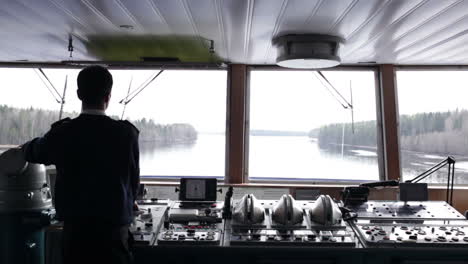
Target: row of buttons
170,235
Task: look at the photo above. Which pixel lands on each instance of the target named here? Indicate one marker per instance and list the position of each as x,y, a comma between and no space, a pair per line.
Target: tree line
434,132
18,125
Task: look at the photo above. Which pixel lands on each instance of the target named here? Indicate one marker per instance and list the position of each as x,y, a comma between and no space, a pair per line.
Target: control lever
249,206
227,210
289,208
347,213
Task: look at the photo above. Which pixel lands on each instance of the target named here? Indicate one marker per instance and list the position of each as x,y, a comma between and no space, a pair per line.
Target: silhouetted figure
97,161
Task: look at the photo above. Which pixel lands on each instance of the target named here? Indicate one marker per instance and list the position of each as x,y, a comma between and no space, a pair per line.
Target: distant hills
19,125
432,132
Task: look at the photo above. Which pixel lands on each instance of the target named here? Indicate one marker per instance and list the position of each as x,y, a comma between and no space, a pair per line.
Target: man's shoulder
127,124
61,123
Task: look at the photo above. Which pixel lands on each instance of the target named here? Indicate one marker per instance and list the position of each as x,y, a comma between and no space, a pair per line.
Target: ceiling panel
327,15
264,26
389,40
445,18
381,31
358,17
382,23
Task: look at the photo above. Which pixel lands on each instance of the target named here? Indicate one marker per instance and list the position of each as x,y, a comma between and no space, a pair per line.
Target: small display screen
197,189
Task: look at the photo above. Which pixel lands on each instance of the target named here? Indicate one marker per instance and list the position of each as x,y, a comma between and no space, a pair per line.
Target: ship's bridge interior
340,103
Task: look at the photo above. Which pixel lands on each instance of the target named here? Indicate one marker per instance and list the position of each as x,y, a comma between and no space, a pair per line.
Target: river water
286,157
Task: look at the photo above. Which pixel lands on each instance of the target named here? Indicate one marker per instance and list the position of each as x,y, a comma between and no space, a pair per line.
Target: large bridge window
433,122
181,114
318,126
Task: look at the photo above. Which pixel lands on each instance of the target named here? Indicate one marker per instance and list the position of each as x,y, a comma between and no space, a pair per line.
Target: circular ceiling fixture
308,51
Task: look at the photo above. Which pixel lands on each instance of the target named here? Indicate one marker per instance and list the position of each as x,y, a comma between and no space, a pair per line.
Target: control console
147,222
193,223
288,222
411,224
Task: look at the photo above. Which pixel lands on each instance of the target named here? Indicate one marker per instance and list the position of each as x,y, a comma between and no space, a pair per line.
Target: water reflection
287,158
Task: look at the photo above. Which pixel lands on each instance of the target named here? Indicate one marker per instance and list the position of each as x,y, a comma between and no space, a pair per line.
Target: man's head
94,87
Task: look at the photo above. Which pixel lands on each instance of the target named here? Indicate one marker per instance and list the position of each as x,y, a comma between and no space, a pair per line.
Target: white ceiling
381,31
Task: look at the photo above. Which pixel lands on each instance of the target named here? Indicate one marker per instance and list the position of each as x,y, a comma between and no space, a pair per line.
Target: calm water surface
287,158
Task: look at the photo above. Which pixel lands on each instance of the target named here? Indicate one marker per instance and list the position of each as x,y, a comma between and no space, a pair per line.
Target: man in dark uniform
97,161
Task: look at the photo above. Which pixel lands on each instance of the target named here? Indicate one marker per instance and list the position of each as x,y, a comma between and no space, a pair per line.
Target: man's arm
135,156
44,149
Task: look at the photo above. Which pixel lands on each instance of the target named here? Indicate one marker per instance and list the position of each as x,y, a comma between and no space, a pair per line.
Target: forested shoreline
18,125
434,132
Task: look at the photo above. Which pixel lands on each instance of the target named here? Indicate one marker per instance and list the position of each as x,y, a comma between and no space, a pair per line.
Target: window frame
380,149
416,68
243,139
141,66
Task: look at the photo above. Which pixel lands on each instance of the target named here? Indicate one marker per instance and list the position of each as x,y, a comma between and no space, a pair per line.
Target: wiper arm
337,95
62,103
126,97
137,91
327,84
48,84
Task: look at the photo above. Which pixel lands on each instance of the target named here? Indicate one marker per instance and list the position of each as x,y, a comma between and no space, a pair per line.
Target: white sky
432,91
297,101
196,97
280,100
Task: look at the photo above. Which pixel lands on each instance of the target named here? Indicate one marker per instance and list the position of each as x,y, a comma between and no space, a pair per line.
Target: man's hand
135,206
12,161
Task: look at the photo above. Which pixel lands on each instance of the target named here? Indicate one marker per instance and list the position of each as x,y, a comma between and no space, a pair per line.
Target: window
181,114
26,108
301,127
433,110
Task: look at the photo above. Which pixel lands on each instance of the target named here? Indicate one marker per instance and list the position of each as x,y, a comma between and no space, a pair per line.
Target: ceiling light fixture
308,51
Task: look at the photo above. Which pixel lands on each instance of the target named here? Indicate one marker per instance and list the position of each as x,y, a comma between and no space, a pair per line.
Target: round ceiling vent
309,51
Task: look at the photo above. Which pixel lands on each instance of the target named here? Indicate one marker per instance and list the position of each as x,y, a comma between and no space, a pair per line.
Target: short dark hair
94,84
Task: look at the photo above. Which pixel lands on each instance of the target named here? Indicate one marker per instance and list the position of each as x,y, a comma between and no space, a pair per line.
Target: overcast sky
285,100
